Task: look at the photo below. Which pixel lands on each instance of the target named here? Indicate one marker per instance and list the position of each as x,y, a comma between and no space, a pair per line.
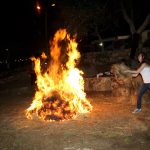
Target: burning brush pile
60,87
123,77
119,71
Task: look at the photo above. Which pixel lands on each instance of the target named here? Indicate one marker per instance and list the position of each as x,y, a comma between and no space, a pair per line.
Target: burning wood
60,94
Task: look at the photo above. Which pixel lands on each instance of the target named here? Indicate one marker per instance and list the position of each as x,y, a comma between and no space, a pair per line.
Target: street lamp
39,8
42,8
101,44
53,5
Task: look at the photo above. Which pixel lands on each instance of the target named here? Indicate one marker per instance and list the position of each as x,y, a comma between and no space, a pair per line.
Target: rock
123,92
98,84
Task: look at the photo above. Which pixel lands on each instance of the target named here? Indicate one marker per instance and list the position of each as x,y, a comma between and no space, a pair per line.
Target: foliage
86,17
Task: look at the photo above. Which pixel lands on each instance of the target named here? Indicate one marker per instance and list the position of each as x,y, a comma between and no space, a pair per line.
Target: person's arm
138,70
134,75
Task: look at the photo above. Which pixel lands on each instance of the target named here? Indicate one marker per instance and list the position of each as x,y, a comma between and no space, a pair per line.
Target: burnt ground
110,125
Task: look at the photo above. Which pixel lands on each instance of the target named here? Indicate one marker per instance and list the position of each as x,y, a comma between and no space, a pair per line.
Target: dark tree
137,23
88,18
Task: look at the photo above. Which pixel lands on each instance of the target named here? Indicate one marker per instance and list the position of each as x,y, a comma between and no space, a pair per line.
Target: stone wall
122,91
98,84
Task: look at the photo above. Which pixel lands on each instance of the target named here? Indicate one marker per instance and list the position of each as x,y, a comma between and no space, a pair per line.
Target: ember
60,88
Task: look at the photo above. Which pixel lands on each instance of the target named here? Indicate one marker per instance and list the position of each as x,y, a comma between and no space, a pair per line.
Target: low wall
123,92
98,84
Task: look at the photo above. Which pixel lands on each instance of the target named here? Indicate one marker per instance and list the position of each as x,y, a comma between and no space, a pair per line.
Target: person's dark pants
143,89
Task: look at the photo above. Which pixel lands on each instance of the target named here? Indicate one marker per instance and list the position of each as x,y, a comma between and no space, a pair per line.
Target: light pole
45,12
39,9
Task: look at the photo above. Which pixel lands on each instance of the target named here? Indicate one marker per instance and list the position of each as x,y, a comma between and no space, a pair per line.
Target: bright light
53,5
38,7
101,44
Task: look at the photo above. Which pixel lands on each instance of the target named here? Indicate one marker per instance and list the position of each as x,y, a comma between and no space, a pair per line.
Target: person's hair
144,57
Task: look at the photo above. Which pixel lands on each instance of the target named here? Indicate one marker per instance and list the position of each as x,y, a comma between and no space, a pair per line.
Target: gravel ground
110,125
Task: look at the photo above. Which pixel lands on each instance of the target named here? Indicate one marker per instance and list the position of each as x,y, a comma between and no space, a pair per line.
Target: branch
129,21
145,23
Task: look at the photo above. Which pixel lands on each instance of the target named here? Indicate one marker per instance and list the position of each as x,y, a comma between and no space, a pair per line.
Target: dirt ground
110,125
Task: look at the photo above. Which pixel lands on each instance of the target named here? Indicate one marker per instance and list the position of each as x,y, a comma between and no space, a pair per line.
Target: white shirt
145,73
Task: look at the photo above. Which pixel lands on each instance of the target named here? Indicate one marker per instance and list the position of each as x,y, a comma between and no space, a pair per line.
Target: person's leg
143,89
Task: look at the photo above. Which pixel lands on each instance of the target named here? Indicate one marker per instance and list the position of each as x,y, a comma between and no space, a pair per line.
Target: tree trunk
133,30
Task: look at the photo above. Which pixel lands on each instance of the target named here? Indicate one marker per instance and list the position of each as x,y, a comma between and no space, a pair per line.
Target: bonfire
60,87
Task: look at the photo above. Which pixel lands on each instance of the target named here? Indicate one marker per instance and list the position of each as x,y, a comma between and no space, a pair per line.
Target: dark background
22,31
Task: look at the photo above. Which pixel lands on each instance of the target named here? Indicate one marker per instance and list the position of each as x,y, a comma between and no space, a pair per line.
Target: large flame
60,88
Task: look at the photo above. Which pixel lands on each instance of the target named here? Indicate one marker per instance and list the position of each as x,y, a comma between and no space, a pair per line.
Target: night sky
17,22
22,28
